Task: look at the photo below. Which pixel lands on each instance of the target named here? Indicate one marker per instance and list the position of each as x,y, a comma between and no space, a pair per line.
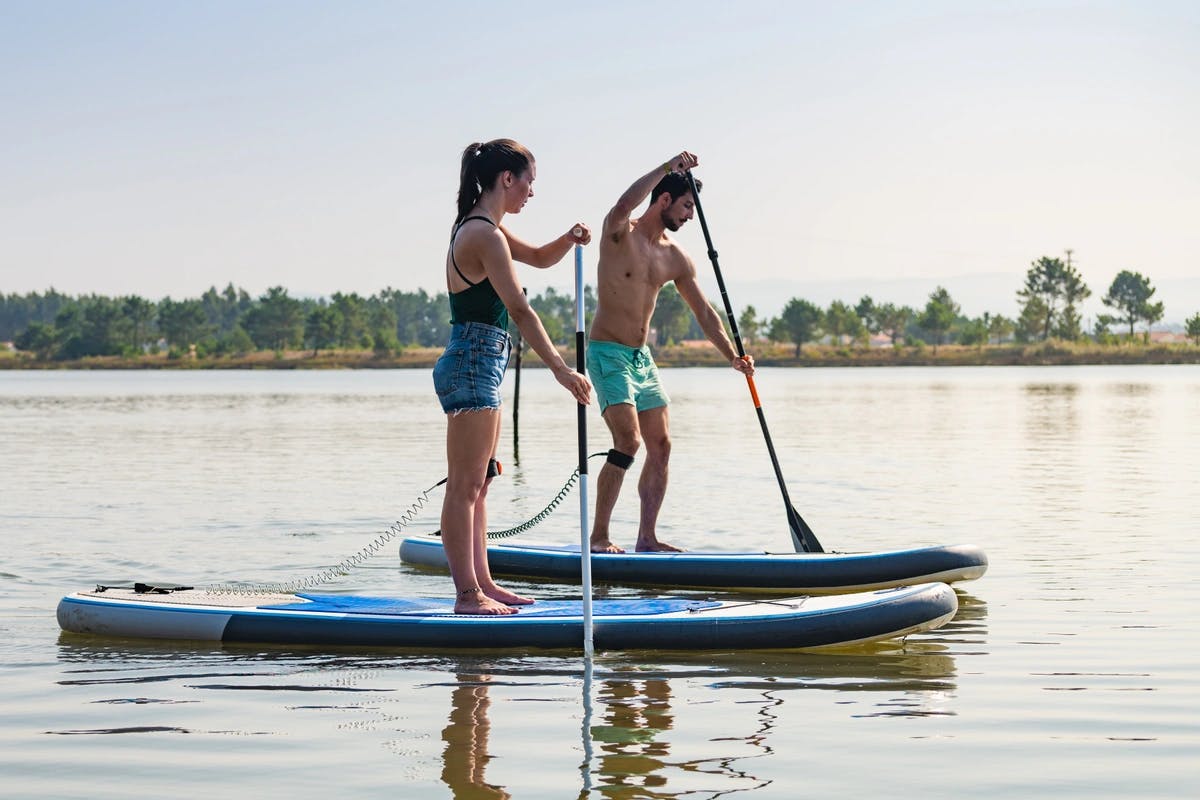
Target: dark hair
482,163
674,184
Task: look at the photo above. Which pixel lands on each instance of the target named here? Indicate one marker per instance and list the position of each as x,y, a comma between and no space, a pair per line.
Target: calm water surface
1071,670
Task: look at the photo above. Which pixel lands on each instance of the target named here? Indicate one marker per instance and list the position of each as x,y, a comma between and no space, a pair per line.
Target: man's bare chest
641,265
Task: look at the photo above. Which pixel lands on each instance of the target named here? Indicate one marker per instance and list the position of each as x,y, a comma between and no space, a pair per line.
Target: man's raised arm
616,223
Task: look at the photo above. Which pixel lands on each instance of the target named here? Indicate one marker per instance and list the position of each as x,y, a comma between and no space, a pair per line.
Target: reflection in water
585,767
1052,464
635,746
634,715
646,731
1052,413
466,736
969,627
1088,452
1132,389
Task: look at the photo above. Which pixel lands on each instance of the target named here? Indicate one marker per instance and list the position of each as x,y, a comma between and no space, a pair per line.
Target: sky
162,147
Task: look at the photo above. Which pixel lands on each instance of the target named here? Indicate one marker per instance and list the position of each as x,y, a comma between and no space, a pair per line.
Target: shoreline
684,355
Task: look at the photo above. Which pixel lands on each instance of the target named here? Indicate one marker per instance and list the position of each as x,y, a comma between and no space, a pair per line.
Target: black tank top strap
453,236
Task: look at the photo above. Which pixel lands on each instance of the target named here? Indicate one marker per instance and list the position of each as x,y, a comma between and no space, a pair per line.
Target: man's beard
669,223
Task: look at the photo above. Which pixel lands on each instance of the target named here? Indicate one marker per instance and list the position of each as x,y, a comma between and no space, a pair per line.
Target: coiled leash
395,529
541,516
342,567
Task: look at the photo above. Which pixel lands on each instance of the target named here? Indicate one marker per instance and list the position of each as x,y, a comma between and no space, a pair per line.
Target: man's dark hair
675,184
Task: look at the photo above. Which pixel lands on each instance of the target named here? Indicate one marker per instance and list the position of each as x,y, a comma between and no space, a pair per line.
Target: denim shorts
468,373
623,374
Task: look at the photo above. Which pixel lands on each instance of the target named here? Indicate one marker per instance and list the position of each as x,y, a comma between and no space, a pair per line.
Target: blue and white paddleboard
793,573
657,623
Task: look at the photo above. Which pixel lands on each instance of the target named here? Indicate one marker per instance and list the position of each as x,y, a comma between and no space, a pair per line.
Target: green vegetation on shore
688,354
229,329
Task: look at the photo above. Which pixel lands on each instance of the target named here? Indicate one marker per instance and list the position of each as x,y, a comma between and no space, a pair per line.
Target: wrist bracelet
667,167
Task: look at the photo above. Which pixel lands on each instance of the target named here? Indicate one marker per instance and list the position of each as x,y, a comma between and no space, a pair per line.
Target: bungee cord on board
541,516
391,532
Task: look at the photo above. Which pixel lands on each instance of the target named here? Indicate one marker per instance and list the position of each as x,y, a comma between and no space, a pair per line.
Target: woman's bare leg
470,438
483,571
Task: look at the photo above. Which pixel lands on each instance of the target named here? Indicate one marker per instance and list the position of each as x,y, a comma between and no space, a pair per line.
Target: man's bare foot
605,546
474,601
501,595
656,546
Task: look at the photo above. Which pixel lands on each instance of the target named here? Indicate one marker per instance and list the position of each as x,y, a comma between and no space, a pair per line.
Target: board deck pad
400,606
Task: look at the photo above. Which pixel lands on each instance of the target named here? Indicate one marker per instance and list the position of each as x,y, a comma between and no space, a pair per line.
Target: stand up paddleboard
182,613
657,623
795,573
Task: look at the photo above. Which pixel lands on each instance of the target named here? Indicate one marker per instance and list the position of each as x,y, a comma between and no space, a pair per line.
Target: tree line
1049,301
56,326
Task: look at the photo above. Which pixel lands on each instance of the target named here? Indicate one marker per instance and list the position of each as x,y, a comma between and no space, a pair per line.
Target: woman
496,179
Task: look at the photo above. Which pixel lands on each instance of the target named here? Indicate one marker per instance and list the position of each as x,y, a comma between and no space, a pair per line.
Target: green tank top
479,301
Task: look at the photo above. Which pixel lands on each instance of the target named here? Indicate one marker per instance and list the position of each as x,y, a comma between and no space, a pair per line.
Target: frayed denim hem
458,411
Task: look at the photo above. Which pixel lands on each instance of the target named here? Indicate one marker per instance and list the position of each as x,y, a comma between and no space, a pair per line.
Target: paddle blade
803,539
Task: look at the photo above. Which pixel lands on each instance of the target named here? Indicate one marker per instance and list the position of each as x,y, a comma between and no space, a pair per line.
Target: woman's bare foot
474,601
605,546
506,597
655,546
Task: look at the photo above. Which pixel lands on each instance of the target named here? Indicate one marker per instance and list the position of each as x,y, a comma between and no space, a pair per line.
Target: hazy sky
158,148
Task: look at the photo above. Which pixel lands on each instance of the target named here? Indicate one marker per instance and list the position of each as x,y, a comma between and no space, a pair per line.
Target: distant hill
994,292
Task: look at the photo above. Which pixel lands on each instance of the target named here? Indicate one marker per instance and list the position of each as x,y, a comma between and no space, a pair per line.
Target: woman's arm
497,262
550,253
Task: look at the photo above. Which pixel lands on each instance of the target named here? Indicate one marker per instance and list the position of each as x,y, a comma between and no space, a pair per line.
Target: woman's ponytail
468,183
482,164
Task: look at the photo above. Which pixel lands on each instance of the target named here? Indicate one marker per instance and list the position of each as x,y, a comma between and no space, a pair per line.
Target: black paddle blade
803,539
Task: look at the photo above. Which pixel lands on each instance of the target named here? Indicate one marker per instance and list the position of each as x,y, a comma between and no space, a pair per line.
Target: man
638,258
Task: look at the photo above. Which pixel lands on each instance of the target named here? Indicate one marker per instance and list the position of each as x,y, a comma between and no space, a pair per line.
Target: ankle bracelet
472,590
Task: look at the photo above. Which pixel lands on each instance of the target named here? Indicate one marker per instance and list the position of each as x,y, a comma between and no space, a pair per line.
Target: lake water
1072,669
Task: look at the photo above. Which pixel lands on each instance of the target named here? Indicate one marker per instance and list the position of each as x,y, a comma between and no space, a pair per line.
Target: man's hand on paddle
682,162
744,364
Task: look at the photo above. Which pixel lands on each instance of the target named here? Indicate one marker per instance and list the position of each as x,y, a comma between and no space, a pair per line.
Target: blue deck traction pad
405,606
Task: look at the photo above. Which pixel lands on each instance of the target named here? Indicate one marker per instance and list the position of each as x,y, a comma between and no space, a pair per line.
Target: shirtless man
638,258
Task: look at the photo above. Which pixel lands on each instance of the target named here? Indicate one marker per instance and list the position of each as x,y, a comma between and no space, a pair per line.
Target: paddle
517,399
803,539
585,550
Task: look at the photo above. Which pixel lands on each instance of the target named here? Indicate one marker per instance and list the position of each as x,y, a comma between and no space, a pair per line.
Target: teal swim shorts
623,374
